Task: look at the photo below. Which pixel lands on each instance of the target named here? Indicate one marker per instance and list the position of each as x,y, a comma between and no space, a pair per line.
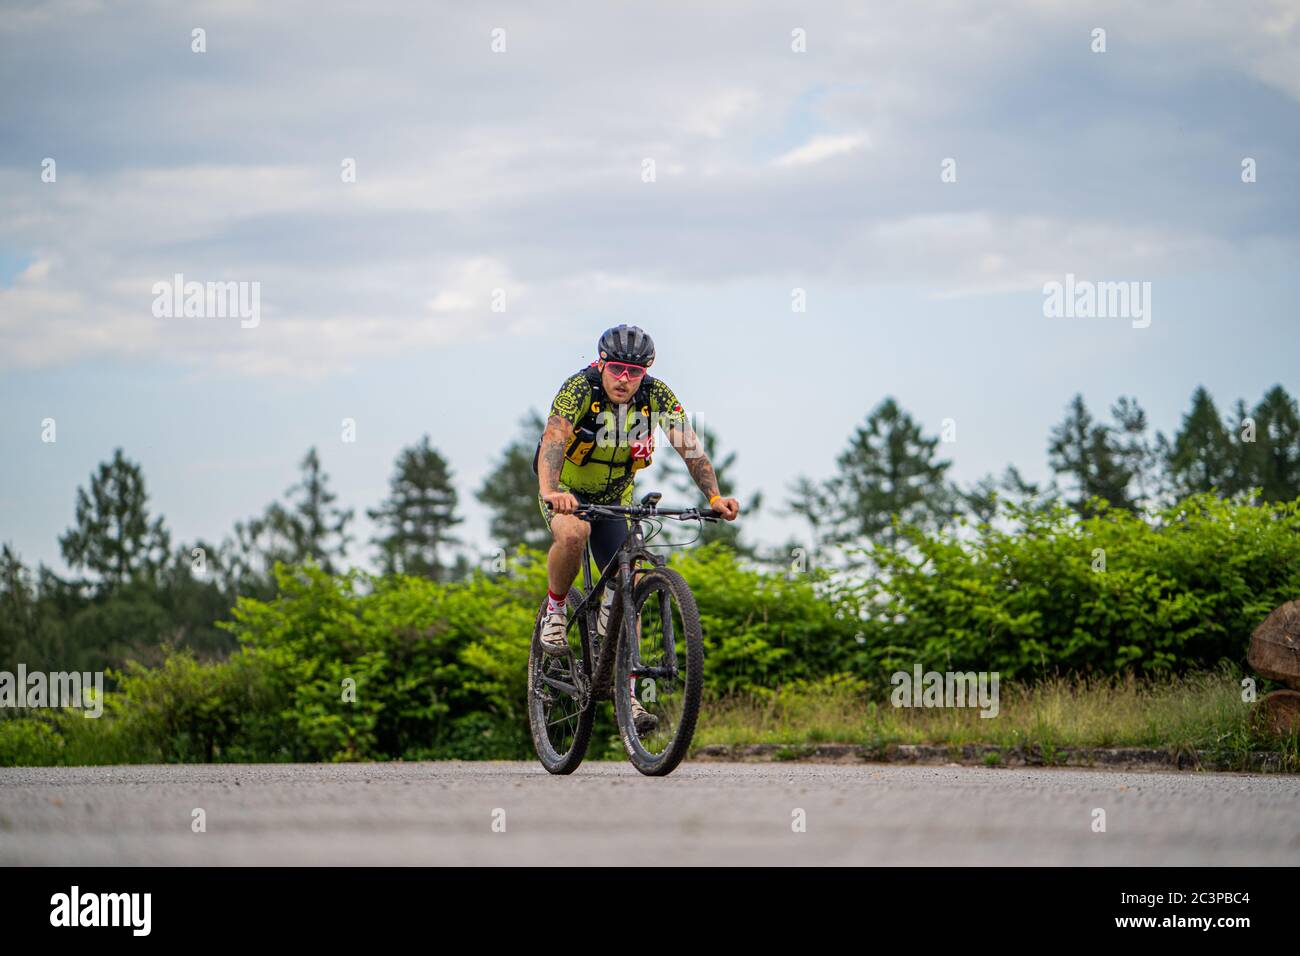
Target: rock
1275,646
1279,712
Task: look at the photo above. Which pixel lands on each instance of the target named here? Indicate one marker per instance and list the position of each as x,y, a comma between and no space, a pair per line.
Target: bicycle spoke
568,718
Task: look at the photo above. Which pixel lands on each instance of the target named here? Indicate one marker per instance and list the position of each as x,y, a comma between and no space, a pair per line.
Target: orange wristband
713,499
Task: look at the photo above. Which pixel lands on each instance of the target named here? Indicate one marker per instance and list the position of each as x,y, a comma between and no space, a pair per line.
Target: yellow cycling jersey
611,442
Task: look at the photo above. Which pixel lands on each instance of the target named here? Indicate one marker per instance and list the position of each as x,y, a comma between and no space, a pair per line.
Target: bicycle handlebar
588,511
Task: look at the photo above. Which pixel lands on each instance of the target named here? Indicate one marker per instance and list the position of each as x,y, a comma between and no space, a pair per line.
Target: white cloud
520,171
713,115
821,148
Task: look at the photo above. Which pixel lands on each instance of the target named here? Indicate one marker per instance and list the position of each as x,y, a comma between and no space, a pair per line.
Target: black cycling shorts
607,534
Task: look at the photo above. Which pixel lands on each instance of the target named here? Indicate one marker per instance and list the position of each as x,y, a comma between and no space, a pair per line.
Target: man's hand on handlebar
561,502
727,508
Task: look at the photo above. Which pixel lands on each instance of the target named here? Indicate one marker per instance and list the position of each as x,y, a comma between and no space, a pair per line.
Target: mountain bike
651,647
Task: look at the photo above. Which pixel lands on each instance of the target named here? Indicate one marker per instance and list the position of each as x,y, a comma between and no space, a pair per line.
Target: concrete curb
984,755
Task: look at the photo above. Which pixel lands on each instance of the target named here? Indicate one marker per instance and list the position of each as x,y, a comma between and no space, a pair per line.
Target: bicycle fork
630,630
632,634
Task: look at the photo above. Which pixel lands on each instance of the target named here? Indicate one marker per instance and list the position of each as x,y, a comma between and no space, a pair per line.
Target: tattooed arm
556,438
683,438
688,445
550,462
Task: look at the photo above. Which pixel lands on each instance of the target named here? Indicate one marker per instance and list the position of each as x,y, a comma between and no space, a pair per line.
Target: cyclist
599,434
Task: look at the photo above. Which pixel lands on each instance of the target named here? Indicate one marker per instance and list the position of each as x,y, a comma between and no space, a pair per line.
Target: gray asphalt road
704,813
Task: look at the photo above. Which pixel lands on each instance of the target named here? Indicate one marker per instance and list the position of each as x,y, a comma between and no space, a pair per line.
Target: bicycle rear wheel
665,663
560,711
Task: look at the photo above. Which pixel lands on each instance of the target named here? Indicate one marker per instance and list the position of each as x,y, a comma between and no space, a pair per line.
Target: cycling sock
554,603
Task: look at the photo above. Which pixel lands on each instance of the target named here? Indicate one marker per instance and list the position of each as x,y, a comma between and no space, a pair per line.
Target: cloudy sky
523,170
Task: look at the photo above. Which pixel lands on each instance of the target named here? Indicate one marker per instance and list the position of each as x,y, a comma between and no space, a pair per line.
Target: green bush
28,742
392,671
764,629
333,668
1182,590
352,667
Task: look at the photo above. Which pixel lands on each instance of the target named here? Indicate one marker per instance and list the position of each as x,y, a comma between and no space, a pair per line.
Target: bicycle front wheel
661,663
560,710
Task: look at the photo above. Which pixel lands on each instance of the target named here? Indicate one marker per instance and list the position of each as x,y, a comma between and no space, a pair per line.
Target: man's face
619,389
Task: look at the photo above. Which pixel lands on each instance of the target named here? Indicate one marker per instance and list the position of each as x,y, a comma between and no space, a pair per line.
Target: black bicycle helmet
627,343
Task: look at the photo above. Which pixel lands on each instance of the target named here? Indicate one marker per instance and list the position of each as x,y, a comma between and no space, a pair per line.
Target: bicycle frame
630,552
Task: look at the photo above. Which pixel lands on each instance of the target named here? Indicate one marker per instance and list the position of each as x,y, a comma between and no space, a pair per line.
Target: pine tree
17,608
1134,451
113,537
316,528
1200,457
1022,490
888,469
311,528
510,492
418,515
35,609
1247,451
1088,453
981,500
194,600
246,559
1278,439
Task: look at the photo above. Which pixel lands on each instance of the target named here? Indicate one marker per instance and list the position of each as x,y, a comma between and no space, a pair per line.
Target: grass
1196,712
1199,712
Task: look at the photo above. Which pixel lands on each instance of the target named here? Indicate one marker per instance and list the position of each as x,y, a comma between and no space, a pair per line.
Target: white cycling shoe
553,639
